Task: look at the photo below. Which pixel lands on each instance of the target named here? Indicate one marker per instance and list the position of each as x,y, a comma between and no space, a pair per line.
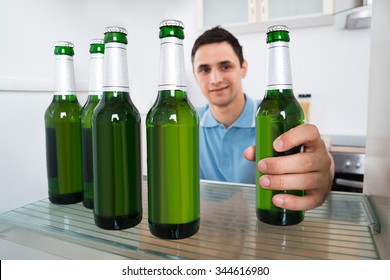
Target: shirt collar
245,120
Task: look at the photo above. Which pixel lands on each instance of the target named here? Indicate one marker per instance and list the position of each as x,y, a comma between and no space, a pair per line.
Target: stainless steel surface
348,140
349,183
359,18
351,163
348,152
343,228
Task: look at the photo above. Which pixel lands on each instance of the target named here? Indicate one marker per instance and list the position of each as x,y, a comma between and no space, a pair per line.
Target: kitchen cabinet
242,16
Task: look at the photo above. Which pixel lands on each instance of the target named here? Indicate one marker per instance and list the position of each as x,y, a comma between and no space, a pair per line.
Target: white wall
330,64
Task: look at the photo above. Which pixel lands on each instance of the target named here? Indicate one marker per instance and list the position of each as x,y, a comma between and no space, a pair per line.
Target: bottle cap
117,29
278,28
63,44
172,22
96,41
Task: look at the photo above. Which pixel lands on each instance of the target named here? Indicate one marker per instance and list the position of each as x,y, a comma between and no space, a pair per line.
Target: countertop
342,228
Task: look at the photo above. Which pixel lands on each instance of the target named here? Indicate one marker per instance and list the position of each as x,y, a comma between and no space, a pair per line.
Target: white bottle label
115,77
172,71
279,66
64,83
96,74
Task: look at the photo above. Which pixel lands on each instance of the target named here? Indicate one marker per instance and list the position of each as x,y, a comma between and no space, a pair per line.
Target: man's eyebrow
219,63
225,62
203,66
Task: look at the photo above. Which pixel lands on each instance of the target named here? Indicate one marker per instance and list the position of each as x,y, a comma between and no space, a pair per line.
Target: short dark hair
217,35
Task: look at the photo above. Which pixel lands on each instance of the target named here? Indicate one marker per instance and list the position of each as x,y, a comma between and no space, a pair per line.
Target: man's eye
204,70
226,67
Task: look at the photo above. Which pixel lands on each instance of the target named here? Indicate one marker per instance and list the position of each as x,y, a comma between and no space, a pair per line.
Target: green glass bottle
116,138
278,112
172,145
95,90
63,132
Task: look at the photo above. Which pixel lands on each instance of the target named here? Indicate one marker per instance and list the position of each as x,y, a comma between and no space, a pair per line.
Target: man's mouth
218,90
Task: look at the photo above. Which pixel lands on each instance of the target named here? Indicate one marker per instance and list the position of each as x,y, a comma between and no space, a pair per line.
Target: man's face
218,73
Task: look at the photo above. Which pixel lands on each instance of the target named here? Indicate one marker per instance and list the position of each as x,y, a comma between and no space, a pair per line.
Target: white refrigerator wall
329,63
377,175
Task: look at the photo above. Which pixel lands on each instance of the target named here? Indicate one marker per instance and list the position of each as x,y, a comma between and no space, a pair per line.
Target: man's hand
311,171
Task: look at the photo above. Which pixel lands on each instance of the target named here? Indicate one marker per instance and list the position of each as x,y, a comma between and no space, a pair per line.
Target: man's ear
244,68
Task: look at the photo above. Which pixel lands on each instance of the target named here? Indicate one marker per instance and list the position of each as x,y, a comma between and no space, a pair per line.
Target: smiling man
227,130
227,124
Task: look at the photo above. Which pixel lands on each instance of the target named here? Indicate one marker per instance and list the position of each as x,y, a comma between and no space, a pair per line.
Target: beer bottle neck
64,83
278,66
64,98
179,95
115,76
94,98
172,71
96,74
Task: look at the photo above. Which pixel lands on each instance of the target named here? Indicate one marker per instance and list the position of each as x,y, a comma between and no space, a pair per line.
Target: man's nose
215,77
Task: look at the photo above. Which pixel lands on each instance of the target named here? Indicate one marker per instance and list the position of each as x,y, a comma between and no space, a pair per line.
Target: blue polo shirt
221,150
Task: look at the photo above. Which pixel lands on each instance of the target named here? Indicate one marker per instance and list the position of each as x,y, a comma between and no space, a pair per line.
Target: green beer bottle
116,142
63,132
172,145
96,51
278,112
